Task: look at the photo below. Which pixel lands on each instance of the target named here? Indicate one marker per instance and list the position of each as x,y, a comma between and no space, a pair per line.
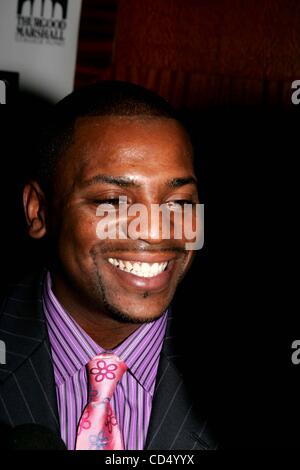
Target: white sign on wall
2,92
38,39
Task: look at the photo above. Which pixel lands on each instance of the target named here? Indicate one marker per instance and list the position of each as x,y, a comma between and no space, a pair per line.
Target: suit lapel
175,422
27,388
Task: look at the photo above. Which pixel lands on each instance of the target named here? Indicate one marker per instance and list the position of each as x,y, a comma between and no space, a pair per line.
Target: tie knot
104,371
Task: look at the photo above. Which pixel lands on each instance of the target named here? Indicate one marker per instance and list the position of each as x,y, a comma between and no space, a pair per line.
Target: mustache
137,247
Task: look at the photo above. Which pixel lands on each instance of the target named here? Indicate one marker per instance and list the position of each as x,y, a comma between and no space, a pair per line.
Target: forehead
120,145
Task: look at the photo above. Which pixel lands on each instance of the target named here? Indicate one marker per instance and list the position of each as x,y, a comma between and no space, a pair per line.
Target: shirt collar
73,348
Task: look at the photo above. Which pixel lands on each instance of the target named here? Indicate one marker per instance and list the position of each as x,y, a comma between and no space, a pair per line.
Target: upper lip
144,257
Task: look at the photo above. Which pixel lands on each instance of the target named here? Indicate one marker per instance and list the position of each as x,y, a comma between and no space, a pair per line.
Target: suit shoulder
27,288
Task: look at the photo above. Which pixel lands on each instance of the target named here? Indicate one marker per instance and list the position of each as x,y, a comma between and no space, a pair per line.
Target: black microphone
29,437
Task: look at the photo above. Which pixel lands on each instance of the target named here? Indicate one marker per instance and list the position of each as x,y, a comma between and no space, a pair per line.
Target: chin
139,317
143,307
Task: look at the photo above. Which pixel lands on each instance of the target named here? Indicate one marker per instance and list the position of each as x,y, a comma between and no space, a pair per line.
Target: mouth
138,268
138,274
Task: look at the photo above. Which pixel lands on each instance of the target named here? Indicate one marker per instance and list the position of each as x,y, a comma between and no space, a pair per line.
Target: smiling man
99,314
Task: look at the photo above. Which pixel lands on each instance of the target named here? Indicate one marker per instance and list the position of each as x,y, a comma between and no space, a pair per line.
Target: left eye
177,204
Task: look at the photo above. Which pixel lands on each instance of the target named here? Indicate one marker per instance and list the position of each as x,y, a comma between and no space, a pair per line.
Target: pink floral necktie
98,428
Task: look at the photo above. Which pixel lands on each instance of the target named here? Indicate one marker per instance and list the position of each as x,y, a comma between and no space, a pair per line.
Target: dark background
228,66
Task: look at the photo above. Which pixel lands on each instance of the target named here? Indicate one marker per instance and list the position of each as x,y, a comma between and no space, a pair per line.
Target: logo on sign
42,21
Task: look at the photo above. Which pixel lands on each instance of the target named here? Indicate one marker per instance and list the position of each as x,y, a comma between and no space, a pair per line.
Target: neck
107,332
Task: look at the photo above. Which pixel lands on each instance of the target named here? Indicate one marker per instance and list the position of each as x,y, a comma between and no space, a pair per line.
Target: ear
34,203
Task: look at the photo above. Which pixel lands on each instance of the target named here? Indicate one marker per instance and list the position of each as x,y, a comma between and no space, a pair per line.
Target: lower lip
155,283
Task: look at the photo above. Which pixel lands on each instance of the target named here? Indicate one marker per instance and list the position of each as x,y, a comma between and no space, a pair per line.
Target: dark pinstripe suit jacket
27,387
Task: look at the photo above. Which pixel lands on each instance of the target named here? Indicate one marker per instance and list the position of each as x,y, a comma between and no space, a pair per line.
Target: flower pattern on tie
98,441
98,428
103,371
84,422
111,420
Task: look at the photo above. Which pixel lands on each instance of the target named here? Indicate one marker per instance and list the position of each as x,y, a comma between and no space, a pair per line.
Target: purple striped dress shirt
72,349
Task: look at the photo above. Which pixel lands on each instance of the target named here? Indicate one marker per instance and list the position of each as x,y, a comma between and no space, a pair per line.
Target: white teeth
128,265
145,267
139,269
155,269
121,264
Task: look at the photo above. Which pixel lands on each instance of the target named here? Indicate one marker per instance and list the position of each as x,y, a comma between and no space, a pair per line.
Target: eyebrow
178,182
127,181
122,181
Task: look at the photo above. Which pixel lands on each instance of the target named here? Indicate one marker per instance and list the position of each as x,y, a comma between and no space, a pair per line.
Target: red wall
195,52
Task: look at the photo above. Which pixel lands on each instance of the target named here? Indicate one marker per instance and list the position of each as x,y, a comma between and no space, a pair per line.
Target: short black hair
106,98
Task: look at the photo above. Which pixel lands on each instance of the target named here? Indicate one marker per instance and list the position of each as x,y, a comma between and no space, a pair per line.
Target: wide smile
142,275
138,268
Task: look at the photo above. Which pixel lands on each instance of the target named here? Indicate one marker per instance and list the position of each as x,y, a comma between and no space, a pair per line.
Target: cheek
186,264
78,235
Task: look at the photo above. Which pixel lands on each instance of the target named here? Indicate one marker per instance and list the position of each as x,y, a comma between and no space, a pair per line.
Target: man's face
150,162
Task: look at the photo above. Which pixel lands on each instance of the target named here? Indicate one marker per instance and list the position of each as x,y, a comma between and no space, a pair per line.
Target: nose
153,225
